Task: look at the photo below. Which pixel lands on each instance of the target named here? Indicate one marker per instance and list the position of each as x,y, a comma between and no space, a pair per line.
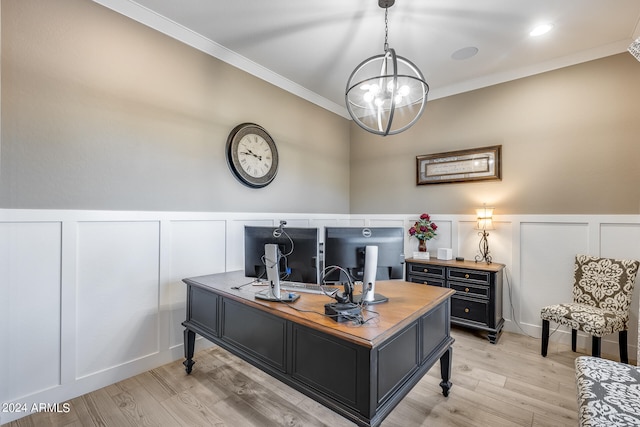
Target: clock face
255,155
252,155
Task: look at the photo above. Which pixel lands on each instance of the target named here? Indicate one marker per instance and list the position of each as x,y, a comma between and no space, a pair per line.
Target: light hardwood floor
508,384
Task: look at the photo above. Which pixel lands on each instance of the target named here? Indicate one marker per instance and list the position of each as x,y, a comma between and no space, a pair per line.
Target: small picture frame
476,164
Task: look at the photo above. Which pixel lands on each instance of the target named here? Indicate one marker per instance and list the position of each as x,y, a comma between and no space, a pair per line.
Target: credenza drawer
468,275
422,269
470,309
426,280
470,289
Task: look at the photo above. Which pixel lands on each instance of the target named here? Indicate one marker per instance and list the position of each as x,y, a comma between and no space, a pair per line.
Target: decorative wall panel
196,248
117,293
30,296
547,253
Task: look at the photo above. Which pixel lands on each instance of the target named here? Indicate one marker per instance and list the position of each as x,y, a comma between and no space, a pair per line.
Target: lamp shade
484,218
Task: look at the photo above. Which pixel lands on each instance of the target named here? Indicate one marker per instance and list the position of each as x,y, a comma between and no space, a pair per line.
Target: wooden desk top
407,302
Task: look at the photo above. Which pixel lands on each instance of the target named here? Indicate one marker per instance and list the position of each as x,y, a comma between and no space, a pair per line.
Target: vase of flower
423,229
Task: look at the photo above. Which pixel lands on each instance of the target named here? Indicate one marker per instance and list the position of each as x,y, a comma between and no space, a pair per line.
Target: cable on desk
246,284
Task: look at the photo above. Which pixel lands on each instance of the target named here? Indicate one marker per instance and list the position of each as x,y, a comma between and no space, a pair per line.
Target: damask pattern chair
608,393
602,291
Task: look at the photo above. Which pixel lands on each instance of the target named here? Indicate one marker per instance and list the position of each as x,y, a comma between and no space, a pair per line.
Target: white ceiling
310,47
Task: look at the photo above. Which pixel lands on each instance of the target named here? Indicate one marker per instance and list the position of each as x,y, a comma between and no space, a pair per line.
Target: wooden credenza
360,371
477,302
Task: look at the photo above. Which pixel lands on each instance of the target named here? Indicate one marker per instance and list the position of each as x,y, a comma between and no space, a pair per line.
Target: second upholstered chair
602,290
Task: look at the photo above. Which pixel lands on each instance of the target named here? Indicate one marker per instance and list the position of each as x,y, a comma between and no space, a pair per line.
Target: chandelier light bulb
368,97
390,86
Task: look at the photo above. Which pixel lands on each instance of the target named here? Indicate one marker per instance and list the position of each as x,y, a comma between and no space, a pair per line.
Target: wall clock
252,155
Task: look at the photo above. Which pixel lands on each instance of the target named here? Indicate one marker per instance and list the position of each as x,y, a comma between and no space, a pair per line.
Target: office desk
360,371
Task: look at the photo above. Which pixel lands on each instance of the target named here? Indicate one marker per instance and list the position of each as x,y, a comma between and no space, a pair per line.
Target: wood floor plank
466,409
510,364
188,409
156,385
139,407
541,420
262,400
504,385
561,401
530,403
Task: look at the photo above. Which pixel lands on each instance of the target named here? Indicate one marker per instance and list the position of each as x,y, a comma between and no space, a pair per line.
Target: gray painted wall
570,143
100,112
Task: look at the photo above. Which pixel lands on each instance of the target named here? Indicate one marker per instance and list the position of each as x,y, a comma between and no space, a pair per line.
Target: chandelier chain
386,29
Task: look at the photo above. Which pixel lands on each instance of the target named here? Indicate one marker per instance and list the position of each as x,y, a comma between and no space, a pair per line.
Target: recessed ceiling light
540,30
465,53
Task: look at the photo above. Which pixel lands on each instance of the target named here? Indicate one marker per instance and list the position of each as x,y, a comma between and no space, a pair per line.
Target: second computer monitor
297,252
345,247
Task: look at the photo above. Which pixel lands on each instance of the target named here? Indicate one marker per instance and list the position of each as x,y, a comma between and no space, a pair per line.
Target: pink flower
434,227
425,216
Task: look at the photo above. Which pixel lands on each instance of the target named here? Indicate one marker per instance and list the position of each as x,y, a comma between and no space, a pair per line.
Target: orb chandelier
386,94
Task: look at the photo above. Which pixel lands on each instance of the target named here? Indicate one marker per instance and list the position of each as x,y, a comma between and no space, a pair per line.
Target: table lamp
484,222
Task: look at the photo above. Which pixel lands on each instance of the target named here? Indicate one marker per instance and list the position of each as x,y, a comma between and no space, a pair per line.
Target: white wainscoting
30,308
88,298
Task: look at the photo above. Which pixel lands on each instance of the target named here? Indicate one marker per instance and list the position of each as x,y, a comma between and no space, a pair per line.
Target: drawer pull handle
466,289
466,276
426,270
466,310
424,283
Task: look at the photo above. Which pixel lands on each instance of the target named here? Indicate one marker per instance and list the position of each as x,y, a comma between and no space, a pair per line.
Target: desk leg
189,344
445,371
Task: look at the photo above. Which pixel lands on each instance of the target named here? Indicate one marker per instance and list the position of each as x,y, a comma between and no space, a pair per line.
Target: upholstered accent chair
602,292
608,393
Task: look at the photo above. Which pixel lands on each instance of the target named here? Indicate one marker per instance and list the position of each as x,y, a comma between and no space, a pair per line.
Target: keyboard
307,288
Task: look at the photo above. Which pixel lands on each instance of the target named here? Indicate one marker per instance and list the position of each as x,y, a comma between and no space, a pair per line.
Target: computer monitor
298,247
345,247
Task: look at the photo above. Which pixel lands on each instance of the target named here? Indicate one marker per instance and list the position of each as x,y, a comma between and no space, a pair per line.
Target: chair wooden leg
574,339
545,337
595,346
622,342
